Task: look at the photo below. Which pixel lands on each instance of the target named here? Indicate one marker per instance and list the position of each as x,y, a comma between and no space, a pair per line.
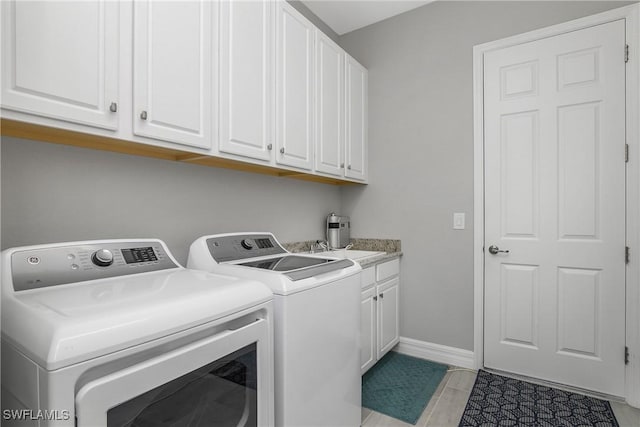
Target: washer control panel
58,265
241,246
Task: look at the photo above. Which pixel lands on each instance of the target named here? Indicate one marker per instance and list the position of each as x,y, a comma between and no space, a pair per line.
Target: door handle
494,250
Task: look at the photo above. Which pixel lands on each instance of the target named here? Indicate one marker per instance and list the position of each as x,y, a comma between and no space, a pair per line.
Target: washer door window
222,393
223,380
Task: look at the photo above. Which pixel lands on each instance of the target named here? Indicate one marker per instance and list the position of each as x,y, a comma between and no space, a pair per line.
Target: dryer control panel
51,265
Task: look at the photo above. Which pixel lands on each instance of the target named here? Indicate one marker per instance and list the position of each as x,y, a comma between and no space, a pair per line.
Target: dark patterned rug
500,401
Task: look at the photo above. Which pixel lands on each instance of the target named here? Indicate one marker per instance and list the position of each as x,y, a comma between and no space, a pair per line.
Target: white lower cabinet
368,327
379,315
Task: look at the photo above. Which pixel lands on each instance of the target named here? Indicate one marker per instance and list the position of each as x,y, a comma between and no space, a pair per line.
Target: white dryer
116,333
316,326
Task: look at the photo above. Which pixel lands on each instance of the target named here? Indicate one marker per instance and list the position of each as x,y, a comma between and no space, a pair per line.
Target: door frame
631,14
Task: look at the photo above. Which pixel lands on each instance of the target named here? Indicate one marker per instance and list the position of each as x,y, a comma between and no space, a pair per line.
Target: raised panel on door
61,59
368,355
246,78
329,104
174,47
294,88
388,316
555,200
356,119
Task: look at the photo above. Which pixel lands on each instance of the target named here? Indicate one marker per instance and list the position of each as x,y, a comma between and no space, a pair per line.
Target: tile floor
450,398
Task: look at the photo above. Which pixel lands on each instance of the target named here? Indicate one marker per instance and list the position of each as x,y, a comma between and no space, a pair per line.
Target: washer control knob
102,258
247,244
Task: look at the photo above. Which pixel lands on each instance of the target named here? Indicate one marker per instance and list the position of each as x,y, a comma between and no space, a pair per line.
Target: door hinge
626,53
626,153
626,254
626,355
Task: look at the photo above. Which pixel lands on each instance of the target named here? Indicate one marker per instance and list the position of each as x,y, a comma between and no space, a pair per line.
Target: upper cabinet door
60,60
356,119
294,87
246,78
329,106
174,47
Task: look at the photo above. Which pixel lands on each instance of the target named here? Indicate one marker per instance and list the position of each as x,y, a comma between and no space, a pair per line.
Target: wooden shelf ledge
36,132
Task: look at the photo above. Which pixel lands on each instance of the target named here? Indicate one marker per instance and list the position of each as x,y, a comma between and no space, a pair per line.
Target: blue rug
401,386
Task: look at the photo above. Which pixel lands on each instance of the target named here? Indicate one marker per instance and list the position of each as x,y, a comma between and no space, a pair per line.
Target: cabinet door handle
143,115
381,295
349,167
341,165
113,107
270,147
375,298
282,150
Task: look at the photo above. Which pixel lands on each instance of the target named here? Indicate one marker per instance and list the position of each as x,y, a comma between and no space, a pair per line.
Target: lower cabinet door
368,328
388,319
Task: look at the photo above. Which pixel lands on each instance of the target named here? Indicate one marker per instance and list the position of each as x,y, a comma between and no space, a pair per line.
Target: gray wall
421,148
54,193
421,158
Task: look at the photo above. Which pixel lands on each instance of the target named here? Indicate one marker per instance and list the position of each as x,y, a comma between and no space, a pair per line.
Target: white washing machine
116,333
316,324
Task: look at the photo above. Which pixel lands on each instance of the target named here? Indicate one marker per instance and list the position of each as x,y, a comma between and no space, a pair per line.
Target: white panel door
368,329
356,119
555,200
173,52
329,104
246,78
61,59
388,316
294,87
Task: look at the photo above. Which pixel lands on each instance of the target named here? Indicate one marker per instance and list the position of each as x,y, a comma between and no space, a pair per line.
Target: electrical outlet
458,221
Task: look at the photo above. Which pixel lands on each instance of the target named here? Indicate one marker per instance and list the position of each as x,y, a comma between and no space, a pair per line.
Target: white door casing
173,73
61,60
554,181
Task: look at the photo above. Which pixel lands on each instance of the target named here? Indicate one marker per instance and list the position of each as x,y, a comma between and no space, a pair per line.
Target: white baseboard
436,352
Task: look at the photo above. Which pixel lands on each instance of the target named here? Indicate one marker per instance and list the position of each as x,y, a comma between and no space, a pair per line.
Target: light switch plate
458,221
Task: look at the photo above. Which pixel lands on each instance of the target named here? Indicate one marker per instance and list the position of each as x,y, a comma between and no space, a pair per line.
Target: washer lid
63,325
297,267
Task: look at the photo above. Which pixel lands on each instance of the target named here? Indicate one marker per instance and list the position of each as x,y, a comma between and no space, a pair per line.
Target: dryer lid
64,325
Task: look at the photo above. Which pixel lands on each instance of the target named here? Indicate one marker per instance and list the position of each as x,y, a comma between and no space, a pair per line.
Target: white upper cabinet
356,119
174,47
246,78
329,103
61,60
294,87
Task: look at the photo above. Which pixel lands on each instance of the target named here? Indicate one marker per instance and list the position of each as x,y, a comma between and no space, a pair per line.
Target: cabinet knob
270,147
143,115
349,167
282,150
381,295
341,165
113,107
375,298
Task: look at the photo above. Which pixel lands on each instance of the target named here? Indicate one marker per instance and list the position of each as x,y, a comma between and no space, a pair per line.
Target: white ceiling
344,16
